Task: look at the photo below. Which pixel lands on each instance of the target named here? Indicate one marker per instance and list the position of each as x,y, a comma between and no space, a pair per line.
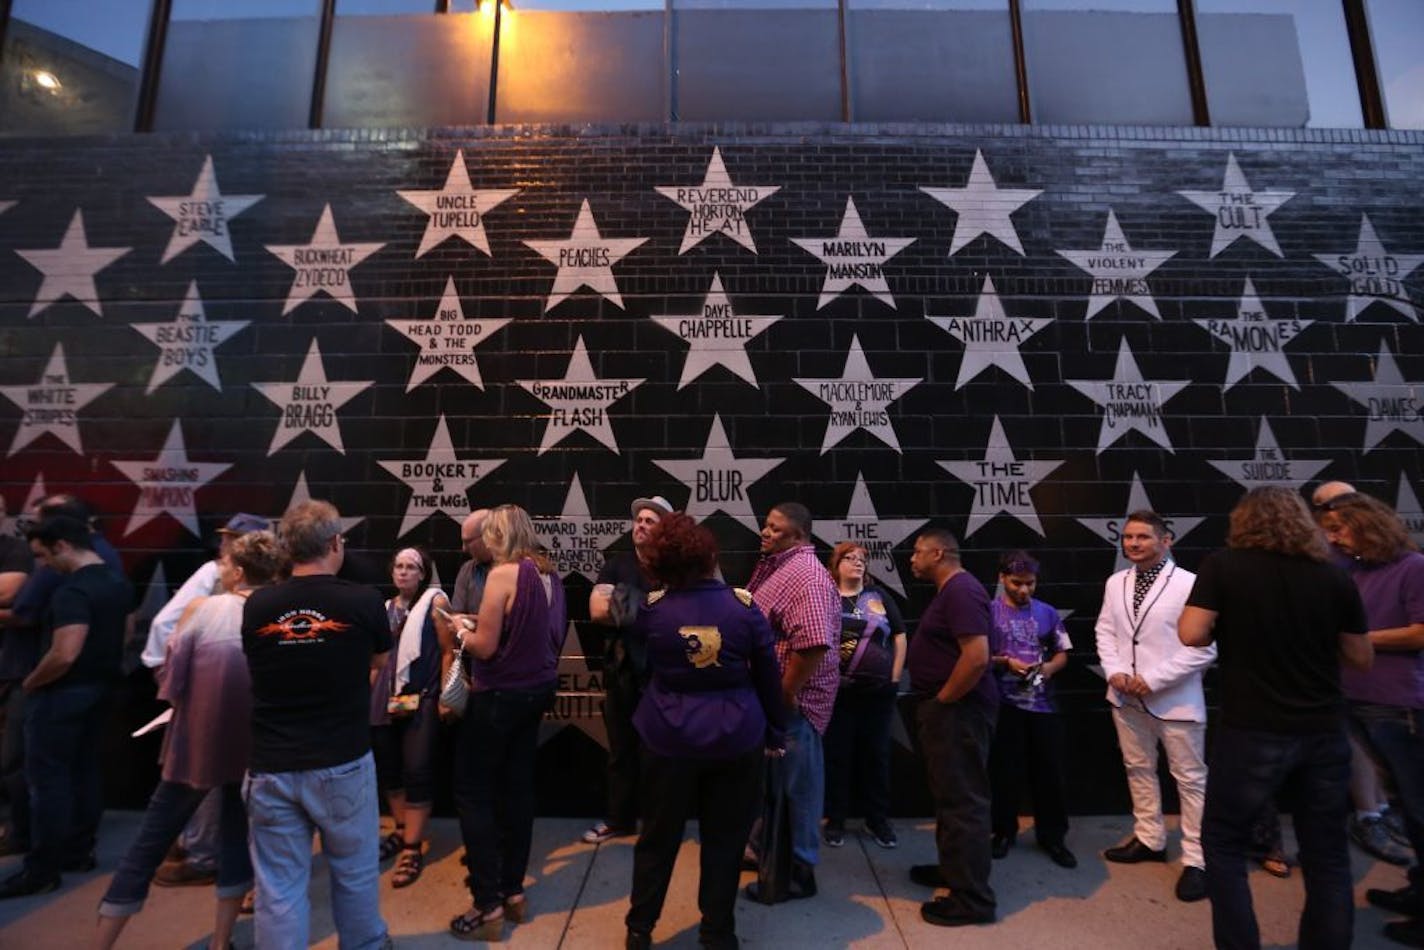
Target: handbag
455,692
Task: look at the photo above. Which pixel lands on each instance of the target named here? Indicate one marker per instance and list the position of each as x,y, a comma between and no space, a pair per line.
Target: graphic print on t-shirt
302,626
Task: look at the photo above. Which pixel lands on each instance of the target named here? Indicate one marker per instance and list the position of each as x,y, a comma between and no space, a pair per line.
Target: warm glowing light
47,80
487,8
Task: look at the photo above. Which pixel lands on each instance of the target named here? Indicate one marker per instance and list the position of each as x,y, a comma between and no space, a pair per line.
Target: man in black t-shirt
81,646
311,644
1284,619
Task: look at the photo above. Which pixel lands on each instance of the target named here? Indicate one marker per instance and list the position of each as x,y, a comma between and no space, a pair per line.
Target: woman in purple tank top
515,645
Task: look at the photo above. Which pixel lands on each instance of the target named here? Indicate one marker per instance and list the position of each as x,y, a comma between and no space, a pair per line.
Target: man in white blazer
1155,688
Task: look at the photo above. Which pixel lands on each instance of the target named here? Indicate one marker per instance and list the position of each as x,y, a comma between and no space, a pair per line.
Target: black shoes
834,835
927,875
83,864
1406,900
999,846
1059,854
637,940
1191,886
801,885
948,912
1134,852
24,885
1408,932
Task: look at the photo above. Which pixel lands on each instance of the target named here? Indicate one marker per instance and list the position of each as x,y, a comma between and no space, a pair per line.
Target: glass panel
590,6
1277,62
1397,29
464,6
1106,61
931,61
247,65
70,68
413,70
382,7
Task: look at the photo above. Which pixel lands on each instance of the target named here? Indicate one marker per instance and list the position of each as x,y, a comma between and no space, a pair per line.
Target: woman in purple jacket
712,710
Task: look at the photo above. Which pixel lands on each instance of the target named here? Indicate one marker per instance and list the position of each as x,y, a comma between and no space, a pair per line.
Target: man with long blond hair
1283,619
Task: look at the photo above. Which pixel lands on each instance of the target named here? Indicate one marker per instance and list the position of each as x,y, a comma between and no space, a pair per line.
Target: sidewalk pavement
578,894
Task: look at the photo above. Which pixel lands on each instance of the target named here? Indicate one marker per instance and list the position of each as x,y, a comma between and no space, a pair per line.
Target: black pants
1028,744
622,690
955,740
857,747
12,765
723,795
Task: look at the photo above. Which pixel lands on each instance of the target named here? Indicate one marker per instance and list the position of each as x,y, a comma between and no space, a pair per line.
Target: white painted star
155,595
717,336
1001,483
447,340
983,207
70,268
456,210
302,494
52,404
1239,211
36,494
991,337
717,205
574,539
879,536
202,215
1110,529
309,403
854,259
6,206
187,342
1256,340
1269,466
585,259
1392,403
439,482
858,400
579,704
1407,507
1375,275
323,265
579,400
718,481
1130,402
1118,271
168,482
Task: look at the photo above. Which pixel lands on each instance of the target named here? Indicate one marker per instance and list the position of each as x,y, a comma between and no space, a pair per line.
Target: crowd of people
301,701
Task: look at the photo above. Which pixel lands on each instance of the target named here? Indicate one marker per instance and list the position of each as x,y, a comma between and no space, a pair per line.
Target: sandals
476,924
1276,865
408,866
392,843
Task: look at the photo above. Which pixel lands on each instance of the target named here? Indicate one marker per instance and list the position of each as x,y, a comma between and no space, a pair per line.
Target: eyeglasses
854,558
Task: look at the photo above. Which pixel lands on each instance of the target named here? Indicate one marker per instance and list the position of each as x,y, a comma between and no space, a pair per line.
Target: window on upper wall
1110,62
1278,62
247,65
1397,29
931,61
71,68
397,63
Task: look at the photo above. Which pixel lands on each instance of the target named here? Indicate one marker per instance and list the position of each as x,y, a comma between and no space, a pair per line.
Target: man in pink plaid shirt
795,591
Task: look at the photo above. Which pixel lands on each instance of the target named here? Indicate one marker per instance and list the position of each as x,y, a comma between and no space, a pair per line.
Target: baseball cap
658,503
242,523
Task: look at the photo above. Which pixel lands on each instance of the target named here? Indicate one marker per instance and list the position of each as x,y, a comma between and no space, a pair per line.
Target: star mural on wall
301,494
854,259
983,207
1406,505
309,403
585,259
1256,340
69,269
168,482
1239,211
323,265
579,401
991,337
202,215
717,336
858,400
439,482
447,340
456,210
1001,483
1119,272
574,539
879,536
188,341
1110,529
52,404
1130,402
1375,275
717,205
579,704
718,481
1269,466
1392,404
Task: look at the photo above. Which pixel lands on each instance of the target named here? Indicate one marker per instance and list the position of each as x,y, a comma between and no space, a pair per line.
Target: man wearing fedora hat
622,585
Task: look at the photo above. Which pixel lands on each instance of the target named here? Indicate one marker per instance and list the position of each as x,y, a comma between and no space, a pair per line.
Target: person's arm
1410,637
63,651
897,667
1054,664
1114,671
897,637
200,584
500,586
10,584
766,678
973,661
1357,652
800,664
1194,627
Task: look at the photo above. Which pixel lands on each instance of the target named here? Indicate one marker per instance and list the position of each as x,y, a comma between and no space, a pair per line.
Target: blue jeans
1247,769
283,810
202,837
1394,736
805,773
173,804
62,731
